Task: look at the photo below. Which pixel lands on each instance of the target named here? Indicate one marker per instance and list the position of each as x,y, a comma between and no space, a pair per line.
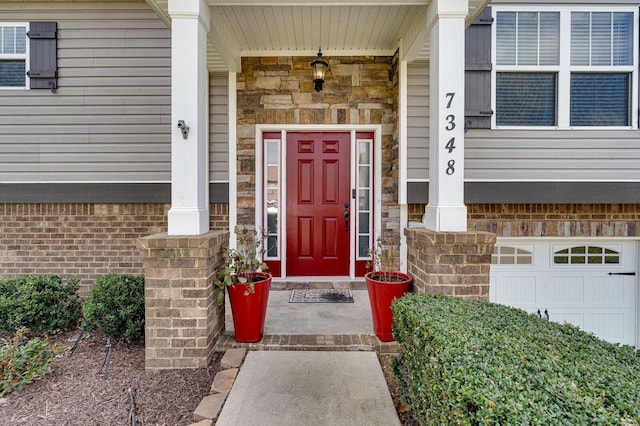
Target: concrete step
311,342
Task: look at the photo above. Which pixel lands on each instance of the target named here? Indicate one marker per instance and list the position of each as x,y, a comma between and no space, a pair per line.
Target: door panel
318,185
594,295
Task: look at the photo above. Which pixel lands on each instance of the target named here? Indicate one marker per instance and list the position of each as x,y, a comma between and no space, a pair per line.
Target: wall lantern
319,68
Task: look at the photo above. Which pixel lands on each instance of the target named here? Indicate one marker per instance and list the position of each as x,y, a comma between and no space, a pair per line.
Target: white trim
310,53
319,127
564,69
404,250
259,181
402,132
19,56
283,197
353,182
233,159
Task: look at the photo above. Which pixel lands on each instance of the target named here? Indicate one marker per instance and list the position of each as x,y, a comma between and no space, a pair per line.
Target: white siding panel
219,128
418,121
110,119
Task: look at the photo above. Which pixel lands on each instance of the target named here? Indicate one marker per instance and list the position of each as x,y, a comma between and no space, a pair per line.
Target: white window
364,186
512,255
565,68
586,255
272,198
13,55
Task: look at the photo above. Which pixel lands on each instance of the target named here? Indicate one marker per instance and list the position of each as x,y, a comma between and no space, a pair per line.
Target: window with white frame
272,198
364,186
13,55
565,67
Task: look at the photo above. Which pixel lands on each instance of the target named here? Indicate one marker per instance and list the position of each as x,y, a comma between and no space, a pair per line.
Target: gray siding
219,127
109,120
418,121
563,155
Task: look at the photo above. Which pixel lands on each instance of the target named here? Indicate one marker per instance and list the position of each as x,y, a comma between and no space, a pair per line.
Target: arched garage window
509,255
586,255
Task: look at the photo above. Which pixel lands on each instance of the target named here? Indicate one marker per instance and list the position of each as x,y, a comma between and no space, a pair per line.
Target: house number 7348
450,124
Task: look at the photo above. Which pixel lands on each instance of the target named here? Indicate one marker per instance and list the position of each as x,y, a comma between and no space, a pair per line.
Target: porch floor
313,326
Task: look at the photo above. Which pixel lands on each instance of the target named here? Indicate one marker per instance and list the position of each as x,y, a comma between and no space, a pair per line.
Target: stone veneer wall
81,240
550,220
280,90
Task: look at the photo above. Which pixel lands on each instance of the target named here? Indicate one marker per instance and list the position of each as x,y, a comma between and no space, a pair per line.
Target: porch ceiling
298,27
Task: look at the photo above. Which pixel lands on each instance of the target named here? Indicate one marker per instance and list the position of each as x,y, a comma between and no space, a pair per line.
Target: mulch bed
76,391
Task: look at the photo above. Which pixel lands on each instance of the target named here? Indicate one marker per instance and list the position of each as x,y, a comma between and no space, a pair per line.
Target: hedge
474,363
41,303
116,306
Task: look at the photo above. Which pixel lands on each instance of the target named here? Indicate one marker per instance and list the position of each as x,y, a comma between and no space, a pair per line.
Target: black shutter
43,61
477,100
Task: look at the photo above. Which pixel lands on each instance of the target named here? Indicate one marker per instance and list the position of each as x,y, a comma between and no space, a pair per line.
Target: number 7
450,95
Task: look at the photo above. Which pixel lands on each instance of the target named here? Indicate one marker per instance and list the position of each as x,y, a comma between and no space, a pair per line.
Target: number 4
450,145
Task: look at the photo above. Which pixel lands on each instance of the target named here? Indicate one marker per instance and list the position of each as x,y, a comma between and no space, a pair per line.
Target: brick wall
182,318
280,90
550,220
82,240
453,263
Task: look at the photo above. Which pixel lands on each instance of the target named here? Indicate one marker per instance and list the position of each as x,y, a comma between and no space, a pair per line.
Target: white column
446,210
189,213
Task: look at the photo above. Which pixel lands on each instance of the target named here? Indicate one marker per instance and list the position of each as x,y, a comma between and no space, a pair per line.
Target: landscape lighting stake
75,345
107,358
132,415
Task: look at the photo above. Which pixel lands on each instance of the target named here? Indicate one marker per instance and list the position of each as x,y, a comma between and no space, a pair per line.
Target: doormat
321,296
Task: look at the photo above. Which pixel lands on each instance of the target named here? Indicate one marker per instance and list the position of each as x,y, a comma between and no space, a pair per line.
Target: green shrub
22,361
473,363
116,305
38,302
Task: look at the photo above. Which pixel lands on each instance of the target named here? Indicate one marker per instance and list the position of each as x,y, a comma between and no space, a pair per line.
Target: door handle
631,274
346,217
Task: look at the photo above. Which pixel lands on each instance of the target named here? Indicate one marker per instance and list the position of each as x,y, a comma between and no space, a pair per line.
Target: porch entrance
318,203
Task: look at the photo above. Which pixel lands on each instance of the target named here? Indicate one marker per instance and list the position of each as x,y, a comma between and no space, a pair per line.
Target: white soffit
297,28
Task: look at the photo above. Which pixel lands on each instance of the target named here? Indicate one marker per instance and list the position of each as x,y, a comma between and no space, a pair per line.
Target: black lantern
319,67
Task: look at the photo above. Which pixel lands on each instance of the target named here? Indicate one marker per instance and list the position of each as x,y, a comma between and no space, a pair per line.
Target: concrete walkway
309,388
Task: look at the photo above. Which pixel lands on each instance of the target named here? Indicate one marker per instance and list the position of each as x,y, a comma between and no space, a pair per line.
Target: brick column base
454,263
182,318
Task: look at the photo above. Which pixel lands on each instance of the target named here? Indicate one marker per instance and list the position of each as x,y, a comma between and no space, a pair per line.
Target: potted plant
384,285
243,276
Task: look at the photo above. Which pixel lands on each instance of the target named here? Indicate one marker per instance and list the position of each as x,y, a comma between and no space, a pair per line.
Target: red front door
317,199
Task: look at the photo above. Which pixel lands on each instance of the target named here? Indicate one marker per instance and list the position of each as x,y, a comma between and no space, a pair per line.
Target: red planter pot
381,294
249,311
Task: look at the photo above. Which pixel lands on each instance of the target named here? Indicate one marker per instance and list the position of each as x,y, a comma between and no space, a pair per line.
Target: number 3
451,119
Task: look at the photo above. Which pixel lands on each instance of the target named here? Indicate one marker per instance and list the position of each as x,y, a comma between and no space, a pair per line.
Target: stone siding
81,240
549,220
280,90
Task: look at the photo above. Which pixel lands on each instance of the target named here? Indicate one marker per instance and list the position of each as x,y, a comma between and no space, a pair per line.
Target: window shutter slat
43,61
478,72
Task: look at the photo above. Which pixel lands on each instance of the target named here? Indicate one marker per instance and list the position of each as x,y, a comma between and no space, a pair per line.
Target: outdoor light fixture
319,67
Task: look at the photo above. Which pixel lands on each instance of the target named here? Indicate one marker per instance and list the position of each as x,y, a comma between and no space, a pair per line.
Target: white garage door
588,283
